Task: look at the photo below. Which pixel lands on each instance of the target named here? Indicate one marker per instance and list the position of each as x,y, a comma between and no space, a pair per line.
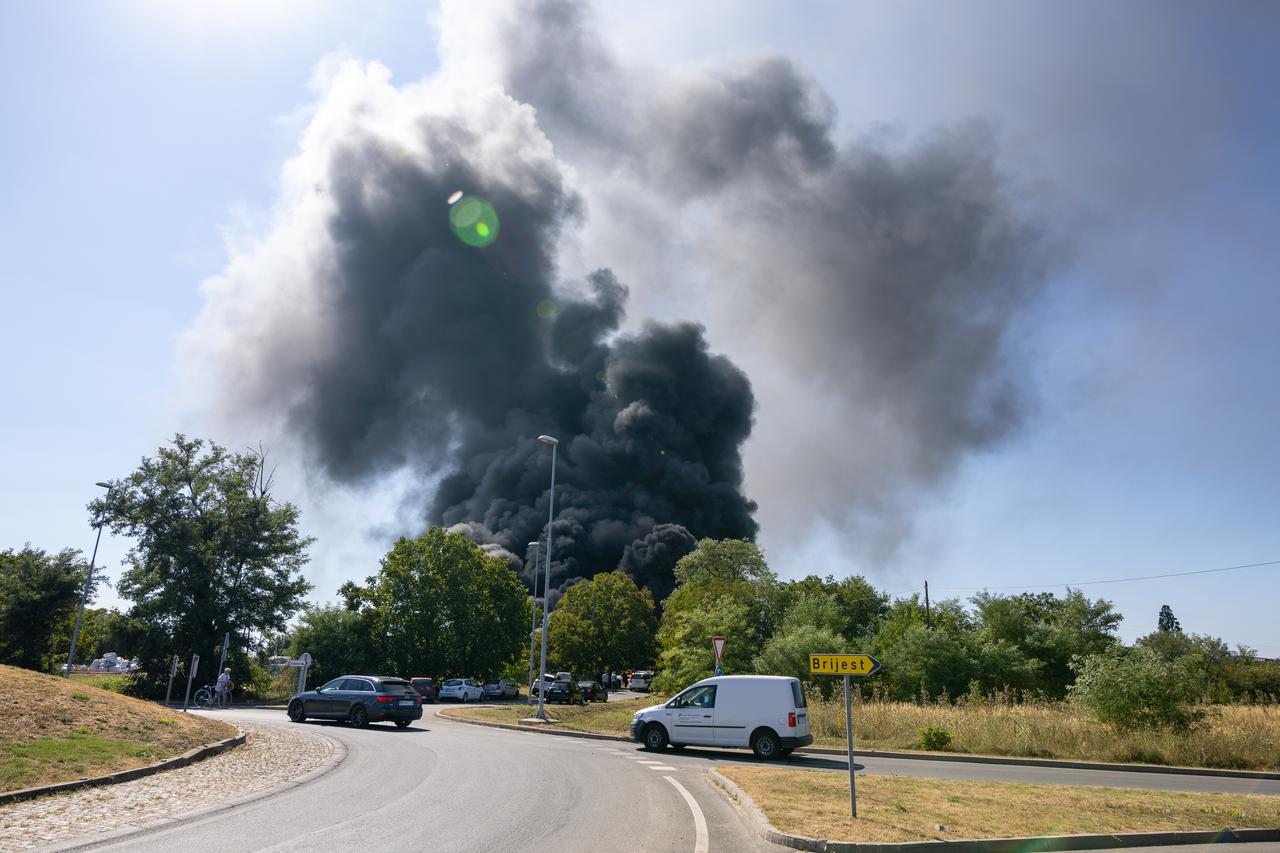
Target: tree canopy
214,552
440,606
604,623
39,593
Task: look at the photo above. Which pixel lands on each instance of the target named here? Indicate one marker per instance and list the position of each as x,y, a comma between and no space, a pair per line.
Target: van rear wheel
765,745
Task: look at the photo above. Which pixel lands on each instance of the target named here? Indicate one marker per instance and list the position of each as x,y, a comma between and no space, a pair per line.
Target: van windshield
797,694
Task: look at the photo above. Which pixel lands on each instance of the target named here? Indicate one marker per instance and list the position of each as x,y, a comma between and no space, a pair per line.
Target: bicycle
206,698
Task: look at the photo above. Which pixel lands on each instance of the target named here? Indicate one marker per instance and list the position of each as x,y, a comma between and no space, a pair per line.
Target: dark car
360,700
426,688
593,691
566,692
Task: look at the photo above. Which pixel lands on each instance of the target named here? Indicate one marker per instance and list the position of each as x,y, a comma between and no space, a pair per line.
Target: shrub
1138,690
934,738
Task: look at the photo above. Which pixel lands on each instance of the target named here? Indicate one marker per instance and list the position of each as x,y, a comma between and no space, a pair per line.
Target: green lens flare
546,309
474,221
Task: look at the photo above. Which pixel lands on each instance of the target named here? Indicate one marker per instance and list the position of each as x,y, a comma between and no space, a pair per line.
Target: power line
1116,580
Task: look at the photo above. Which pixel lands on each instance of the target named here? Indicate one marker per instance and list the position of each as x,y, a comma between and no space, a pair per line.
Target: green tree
685,641
1138,689
787,652
604,623
440,606
339,641
1050,630
1167,623
858,604
214,552
928,661
39,594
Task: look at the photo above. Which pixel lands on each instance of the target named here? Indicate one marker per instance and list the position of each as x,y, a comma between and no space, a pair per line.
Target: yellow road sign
843,664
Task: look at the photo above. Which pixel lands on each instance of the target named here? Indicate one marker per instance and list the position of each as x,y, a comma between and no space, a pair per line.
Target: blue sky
140,139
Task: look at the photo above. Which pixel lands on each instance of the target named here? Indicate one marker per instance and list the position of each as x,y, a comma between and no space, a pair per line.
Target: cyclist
223,686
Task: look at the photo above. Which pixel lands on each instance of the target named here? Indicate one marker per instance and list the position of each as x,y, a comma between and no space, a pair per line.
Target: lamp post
88,581
533,619
546,570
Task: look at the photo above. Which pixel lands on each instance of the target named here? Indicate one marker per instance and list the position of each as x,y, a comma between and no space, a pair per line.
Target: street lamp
88,580
546,571
533,619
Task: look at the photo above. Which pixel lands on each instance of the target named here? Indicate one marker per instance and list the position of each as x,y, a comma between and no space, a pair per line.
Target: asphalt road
444,785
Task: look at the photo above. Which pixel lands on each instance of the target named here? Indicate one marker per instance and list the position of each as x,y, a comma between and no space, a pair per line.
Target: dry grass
1234,736
892,808
53,730
610,718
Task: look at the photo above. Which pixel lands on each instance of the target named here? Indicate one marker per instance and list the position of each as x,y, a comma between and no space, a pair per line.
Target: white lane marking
700,843
649,761
663,768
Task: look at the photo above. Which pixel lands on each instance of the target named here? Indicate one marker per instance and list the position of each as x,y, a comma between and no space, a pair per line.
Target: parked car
593,691
764,712
503,688
426,688
547,679
565,690
360,700
642,680
462,689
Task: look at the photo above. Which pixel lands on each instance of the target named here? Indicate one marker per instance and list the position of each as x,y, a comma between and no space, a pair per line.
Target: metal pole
88,581
195,662
848,736
226,638
533,621
173,670
546,583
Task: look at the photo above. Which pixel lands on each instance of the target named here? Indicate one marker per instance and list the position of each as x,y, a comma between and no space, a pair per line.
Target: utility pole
928,616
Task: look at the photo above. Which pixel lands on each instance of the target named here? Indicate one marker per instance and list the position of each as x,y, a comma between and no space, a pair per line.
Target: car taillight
791,719
393,698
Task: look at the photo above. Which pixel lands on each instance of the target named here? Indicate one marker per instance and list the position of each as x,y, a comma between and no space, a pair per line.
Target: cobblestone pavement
270,757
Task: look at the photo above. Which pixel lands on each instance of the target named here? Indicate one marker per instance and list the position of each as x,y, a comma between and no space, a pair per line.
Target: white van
764,712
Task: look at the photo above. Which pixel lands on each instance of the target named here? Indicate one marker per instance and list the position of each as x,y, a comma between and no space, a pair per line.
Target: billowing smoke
371,331
868,288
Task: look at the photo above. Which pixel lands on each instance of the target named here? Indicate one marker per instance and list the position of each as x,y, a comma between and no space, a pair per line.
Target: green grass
1232,737
612,718
897,809
114,683
25,763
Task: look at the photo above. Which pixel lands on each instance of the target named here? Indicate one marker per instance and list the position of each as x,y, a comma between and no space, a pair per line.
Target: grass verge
56,730
1244,737
609,718
896,809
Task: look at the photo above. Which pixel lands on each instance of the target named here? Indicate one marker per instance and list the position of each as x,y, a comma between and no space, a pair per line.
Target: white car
503,688
547,678
764,712
462,689
642,679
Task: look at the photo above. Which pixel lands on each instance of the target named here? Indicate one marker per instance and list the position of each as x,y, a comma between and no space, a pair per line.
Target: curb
125,832
931,756
741,800
1065,763
538,729
189,757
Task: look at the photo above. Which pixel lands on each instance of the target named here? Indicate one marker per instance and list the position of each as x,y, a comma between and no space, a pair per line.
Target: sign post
848,666
173,670
717,646
195,662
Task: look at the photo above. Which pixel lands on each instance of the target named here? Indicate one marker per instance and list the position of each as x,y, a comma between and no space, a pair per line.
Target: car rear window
397,688
453,682
422,682
797,694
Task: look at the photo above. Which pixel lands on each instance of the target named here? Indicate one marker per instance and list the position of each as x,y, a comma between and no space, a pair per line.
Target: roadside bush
1138,690
934,738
